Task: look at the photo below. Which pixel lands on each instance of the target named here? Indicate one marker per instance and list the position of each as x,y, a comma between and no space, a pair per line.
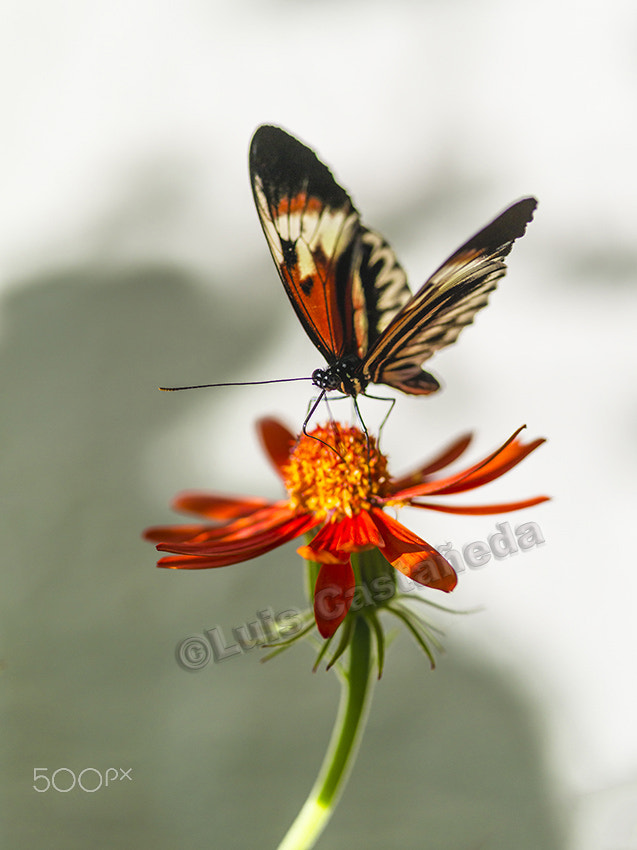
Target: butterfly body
345,283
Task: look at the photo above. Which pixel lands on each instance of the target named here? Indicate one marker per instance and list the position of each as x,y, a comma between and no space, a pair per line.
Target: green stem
348,730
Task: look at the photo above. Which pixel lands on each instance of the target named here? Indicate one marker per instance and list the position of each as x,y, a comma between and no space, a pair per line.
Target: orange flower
337,481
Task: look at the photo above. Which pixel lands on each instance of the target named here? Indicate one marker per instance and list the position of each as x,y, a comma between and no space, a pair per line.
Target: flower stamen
335,484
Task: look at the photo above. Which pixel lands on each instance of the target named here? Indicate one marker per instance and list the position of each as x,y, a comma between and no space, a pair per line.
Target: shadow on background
224,757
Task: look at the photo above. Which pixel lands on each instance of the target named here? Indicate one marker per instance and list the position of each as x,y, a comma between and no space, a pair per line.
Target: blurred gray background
131,257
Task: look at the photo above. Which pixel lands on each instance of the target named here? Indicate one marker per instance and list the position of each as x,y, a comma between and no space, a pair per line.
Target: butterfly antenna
233,384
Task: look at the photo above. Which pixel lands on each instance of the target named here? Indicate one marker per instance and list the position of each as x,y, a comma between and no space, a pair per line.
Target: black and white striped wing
445,304
379,288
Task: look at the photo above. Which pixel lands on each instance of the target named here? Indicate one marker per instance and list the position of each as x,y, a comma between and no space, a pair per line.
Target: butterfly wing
445,304
343,279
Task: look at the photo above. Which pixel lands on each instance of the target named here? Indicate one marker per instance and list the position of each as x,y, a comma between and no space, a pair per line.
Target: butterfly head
345,375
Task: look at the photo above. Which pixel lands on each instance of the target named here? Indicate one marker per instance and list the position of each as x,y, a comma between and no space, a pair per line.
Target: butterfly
345,283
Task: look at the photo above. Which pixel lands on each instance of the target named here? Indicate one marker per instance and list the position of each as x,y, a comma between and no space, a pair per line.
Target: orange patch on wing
314,289
299,203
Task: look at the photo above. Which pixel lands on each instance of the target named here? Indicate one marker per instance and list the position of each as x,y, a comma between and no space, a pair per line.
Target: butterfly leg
359,416
392,402
314,403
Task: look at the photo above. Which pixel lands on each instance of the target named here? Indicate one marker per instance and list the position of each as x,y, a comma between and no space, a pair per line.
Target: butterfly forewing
343,280
446,303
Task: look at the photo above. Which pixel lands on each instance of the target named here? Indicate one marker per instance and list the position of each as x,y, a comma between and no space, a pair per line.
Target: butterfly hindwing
380,278
446,303
343,280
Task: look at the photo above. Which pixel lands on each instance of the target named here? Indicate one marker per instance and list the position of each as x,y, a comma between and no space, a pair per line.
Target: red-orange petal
477,510
216,535
246,527
216,506
177,533
277,441
322,547
439,461
333,594
508,455
192,562
335,542
221,553
412,556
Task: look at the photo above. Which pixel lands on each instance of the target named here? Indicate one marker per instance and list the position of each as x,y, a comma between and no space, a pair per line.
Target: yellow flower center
335,472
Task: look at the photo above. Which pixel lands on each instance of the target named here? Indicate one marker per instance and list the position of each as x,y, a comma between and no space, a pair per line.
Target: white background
125,129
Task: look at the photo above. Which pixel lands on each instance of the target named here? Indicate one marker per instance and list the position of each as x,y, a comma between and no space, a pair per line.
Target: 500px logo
64,779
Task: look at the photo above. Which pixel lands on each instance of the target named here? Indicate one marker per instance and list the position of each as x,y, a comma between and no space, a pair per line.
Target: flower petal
215,506
476,510
509,457
413,556
439,461
335,542
248,515
333,594
277,441
510,453
242,527
231,549
231,539
178,533
322,547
